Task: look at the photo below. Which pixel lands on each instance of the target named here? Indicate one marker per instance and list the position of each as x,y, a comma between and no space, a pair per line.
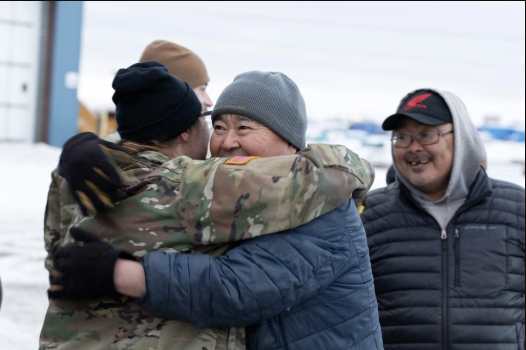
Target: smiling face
234,135
426,167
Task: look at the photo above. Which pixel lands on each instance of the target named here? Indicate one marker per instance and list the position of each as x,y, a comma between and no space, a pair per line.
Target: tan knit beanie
179,61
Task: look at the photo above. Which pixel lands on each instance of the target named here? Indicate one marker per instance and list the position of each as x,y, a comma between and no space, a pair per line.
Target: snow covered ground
24,179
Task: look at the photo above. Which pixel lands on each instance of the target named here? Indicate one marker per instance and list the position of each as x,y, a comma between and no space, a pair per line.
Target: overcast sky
355,59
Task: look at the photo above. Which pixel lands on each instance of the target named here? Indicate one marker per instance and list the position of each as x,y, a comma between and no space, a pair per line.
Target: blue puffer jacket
306,288
461,292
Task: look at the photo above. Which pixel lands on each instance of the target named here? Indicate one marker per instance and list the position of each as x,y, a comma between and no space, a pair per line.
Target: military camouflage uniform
185,205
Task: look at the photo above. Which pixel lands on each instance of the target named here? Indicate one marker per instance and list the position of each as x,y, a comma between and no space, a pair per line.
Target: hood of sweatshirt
469,155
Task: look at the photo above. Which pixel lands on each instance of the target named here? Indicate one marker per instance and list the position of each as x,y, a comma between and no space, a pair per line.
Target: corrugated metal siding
19,61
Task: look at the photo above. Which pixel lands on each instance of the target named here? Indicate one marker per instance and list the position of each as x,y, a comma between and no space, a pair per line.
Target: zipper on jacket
444,291
468,204
457,258
283,335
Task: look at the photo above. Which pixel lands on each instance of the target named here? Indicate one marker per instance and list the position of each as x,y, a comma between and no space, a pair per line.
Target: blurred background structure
352,60
39,64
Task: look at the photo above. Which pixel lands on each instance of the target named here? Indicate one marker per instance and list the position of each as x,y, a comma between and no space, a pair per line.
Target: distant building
39,64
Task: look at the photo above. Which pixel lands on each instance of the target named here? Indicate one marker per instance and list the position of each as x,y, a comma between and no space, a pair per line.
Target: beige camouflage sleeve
51,221
273,195
61,213
219,200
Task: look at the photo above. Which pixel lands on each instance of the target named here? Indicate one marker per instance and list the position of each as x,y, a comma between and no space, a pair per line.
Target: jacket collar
480,189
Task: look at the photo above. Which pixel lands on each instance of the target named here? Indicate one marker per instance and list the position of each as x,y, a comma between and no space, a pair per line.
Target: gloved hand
94,181
84,271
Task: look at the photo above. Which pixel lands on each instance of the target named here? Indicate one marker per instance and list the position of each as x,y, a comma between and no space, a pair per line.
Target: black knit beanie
152,104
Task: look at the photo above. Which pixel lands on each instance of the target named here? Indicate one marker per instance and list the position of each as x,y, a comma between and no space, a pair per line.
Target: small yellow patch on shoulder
239,160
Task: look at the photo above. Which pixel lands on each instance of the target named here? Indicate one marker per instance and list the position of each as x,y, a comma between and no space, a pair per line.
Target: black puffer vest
462,292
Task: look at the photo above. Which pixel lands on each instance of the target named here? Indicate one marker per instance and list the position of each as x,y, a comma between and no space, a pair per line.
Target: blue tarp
495,132
505,134
369,127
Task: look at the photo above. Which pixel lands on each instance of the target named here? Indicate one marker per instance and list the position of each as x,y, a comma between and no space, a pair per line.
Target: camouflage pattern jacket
187,205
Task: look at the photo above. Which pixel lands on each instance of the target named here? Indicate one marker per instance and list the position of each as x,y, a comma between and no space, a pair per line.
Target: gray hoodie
469,154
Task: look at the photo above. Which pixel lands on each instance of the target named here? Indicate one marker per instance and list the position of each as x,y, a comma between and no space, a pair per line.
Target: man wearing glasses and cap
446,241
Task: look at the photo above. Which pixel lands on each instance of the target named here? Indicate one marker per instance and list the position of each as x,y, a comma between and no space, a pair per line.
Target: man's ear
184,137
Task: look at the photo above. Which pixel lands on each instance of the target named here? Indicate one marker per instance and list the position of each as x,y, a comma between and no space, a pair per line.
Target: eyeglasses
428,137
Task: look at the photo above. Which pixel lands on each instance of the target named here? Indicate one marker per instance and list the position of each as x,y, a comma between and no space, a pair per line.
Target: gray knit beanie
270,98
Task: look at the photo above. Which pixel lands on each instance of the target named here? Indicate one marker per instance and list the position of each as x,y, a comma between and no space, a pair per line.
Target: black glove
95,183
85,271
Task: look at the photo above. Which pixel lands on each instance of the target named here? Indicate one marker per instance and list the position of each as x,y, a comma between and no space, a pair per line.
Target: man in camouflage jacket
188,205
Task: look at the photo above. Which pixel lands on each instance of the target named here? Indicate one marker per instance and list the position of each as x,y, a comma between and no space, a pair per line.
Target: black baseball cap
424,106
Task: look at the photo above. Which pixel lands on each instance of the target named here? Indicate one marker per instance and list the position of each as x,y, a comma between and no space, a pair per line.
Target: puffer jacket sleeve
256,280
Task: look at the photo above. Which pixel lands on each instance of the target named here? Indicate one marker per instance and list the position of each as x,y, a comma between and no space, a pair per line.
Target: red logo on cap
415,102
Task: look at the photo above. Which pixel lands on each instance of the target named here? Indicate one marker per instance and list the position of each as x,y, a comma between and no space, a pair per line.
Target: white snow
24,178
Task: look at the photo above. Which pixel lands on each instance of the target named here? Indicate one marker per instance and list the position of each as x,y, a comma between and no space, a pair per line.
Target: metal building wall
39,62
20,24
63,103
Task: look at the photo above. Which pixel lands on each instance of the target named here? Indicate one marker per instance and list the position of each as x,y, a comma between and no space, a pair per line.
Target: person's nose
207,101
230,141
415,145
